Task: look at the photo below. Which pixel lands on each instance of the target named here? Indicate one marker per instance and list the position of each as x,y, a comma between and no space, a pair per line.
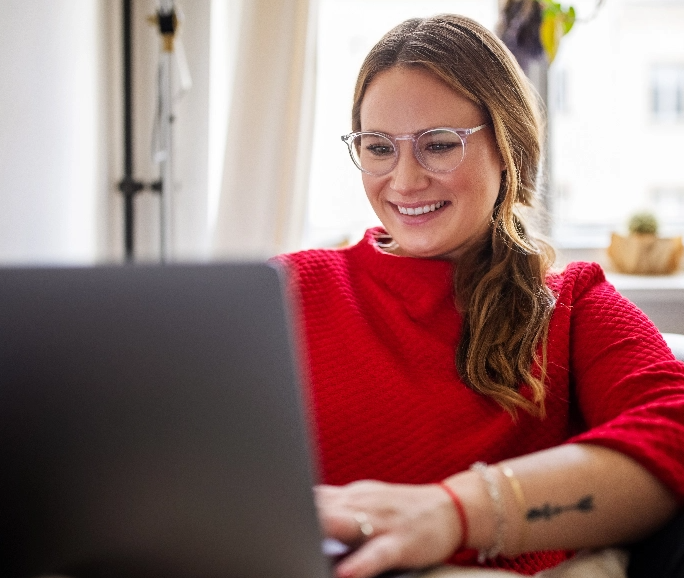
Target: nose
408,175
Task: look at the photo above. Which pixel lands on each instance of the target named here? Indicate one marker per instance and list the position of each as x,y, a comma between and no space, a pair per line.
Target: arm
416,526
575,496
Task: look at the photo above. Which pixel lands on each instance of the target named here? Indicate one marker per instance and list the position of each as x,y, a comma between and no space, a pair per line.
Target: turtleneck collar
423,284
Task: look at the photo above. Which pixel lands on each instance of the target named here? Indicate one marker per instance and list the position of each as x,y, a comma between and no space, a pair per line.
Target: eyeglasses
439,150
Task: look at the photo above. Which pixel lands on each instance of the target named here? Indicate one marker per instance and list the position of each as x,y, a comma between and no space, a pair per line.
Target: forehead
406,100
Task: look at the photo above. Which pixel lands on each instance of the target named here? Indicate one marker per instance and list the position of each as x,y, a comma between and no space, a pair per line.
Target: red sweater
380,334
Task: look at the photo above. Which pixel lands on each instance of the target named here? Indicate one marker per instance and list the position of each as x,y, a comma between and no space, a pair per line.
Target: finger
352,528
340,519
375,556
327,496
323,488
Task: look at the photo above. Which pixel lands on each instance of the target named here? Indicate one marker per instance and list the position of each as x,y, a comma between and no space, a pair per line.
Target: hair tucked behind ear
500,282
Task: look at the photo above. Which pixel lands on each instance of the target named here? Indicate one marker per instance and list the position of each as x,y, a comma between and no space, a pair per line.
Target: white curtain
264,177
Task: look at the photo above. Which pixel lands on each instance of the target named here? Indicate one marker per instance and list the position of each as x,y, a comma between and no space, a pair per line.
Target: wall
54,172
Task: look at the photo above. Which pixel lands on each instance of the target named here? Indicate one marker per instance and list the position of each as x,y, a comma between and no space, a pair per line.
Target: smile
421,210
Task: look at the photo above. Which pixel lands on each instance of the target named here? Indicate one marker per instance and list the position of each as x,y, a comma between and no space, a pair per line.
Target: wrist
460,512
494,510
479,511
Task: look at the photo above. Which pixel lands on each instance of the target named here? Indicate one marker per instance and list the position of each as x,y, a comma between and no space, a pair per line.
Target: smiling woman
443,341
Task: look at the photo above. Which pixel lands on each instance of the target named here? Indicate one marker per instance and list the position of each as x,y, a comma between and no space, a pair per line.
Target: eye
377,146
440,142
443,146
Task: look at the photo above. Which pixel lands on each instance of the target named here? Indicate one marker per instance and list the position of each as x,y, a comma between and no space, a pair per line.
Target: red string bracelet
461,514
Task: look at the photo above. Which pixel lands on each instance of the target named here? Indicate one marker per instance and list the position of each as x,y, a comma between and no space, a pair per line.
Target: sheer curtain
259,205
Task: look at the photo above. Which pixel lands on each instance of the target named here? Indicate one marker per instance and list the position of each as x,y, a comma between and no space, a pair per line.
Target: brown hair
500,282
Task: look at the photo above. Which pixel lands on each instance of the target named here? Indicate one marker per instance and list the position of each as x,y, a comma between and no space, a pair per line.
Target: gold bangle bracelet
520,499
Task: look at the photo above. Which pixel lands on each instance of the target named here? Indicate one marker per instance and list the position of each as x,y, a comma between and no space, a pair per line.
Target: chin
420,252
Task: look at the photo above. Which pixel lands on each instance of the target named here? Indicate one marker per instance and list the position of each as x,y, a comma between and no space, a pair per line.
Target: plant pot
641,254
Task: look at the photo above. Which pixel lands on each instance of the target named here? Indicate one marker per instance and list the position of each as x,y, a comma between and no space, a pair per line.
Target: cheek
372,186
486,176
478,185
479,191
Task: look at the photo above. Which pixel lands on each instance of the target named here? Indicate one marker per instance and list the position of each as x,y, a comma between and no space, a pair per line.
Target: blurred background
258,166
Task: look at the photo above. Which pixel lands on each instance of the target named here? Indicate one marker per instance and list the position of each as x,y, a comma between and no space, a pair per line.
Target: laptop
151,425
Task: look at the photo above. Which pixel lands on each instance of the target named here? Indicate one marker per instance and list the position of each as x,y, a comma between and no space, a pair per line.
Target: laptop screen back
151,425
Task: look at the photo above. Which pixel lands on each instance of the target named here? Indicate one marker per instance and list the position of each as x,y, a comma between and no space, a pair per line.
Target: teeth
420,210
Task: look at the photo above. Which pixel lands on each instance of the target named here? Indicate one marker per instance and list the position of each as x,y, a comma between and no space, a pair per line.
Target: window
667,85
605,147
558,91
668,205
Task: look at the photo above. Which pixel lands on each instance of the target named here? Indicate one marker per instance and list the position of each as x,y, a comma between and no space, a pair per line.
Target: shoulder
587,300
319,264
315,266
576,278
310,259
582,282
323,271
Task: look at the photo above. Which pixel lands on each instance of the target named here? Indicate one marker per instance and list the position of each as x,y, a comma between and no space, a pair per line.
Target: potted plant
642,251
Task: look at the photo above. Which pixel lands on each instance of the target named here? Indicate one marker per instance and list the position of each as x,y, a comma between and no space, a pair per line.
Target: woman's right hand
389,525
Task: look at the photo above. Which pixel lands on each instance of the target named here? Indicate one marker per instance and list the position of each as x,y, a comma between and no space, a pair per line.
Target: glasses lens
373,153
440,150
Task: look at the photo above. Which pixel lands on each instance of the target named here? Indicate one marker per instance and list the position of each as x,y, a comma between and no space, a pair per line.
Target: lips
421,210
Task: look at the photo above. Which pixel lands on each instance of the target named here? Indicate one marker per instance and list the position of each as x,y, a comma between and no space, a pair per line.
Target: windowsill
667,287
661,283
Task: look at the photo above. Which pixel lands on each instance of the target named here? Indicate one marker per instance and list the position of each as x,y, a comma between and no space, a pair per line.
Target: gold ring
364,525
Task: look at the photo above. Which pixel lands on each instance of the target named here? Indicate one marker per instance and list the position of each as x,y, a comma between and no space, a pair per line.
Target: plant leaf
550,33
569,20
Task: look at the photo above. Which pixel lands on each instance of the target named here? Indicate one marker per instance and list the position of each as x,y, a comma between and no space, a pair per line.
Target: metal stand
166,18
167,22
129,186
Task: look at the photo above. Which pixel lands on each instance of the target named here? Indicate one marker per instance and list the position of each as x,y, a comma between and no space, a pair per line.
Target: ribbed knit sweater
380,334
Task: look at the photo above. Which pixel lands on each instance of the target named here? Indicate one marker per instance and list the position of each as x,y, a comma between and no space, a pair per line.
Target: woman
444,340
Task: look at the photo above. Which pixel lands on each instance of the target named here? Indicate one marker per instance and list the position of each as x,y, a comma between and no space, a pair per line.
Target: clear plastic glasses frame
439,150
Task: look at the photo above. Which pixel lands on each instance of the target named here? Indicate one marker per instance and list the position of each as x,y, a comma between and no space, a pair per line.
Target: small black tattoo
547,511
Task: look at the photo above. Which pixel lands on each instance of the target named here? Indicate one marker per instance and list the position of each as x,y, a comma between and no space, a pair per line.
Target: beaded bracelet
497,500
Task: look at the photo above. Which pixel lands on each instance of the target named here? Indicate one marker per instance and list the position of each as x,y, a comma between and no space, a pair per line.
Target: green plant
556,23
644,223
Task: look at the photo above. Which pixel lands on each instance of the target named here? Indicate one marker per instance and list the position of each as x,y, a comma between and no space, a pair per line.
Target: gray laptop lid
151,425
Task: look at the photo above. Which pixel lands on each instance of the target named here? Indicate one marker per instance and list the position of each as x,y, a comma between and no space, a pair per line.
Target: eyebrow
422,130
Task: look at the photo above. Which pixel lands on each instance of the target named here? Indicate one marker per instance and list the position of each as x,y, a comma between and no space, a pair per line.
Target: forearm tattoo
548,511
